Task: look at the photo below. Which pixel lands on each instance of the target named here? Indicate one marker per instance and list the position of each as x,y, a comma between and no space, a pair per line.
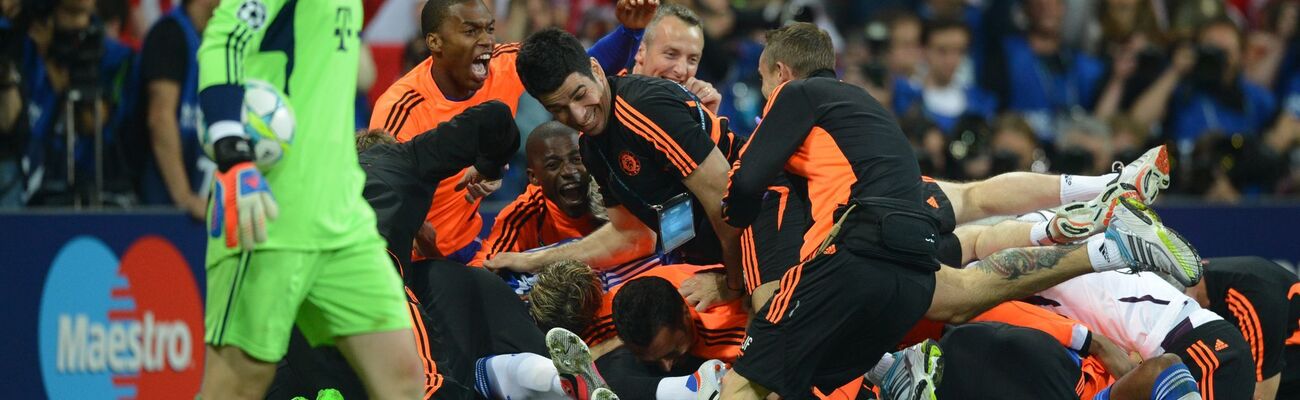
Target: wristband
231,150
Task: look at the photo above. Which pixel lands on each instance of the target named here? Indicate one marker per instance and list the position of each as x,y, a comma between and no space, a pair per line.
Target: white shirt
1136,311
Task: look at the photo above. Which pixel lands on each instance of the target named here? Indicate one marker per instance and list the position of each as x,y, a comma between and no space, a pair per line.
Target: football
268,124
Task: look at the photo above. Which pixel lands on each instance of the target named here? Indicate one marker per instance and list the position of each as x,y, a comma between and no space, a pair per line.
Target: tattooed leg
961,294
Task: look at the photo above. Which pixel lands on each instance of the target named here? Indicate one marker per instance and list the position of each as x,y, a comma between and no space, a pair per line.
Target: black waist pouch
890,229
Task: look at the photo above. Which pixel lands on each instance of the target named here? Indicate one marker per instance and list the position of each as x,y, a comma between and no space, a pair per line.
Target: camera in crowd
1211,63
877,34
80,51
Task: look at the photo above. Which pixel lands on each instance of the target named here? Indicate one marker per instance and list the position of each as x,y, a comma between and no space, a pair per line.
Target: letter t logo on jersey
343,26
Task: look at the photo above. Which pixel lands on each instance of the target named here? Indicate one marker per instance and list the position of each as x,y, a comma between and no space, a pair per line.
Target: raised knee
411,377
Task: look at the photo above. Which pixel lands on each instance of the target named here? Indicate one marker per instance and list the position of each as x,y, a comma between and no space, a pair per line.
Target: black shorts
478,312
993,360
1252,293
941,207
830,322
771,246
1218,358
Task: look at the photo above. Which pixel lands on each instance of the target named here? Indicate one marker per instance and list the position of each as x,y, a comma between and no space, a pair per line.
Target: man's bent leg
1012,193
961,294
229,373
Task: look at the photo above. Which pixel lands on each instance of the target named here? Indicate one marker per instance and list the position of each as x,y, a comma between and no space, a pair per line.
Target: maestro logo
129,328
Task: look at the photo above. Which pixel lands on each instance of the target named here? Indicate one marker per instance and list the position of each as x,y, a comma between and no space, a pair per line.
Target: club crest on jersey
631,166
253,13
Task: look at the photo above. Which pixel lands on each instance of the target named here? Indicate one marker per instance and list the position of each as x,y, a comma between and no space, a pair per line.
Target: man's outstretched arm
483,136
623,239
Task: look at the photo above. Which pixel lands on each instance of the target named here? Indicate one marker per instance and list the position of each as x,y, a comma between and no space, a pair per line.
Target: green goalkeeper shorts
254,299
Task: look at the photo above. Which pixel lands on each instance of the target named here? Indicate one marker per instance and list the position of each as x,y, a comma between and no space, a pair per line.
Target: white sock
1037,216
877,373
1080,187
519,376
1103,254
676,388
1040,234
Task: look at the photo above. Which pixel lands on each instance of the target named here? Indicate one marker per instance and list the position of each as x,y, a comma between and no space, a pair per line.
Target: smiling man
555,206
654,150
671,49
467,67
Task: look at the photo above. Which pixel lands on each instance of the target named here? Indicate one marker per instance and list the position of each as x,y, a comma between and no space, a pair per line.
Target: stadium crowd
979,87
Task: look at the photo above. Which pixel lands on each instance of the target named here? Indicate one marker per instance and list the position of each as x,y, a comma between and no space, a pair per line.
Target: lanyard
1212,115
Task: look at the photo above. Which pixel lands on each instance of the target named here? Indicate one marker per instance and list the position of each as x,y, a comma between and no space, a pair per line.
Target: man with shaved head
671,49
555,206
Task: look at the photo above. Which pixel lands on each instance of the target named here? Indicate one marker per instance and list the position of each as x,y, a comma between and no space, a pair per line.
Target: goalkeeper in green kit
298,245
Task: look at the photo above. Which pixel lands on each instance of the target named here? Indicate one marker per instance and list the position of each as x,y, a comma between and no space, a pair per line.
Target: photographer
1203,89
67,62
1038,74
940,95
165,123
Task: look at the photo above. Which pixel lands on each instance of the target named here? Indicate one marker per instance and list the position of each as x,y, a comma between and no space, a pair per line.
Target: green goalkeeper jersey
310,50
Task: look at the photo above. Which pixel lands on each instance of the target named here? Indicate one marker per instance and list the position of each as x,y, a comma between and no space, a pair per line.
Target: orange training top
532,221
414,105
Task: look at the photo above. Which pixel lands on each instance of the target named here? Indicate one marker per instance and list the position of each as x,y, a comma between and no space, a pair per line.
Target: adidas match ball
268,124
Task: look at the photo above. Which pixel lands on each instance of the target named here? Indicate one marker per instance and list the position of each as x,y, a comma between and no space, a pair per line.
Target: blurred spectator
1083,148
1208,175
1229,168
1284,139
930,145
114,15
1203,89
1121,20
902,55
1124,76
414,53
970,15
935,10
939,96
1129,44
874,79
528,16
1128,138
1272,56
971,151
893,52
69,67
1014,140
1038,76
172,167
13,122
